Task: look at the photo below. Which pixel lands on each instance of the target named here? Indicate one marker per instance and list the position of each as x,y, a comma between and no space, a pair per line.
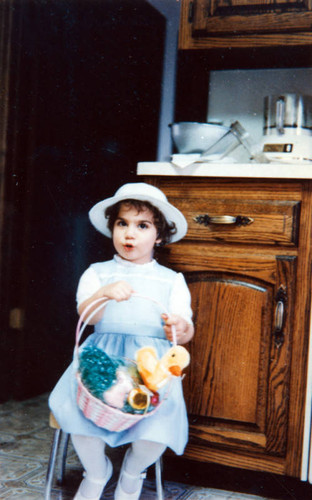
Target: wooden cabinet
247,259
245,23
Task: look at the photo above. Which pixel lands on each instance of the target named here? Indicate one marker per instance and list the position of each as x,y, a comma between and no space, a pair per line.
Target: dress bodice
137,316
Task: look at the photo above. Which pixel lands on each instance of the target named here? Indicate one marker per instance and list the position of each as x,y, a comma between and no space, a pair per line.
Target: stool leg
51,464
158,479
65,439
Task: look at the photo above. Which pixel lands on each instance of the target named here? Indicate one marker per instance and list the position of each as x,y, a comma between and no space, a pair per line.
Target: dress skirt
168,425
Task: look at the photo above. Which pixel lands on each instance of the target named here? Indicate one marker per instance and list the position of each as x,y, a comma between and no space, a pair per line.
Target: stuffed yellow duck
156,372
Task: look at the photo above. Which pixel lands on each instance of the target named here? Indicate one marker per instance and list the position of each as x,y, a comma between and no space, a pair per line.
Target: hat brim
171,213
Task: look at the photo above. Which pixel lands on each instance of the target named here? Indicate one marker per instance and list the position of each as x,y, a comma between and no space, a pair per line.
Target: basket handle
83,323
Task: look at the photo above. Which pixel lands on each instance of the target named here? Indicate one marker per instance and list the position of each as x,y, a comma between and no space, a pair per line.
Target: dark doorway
85,78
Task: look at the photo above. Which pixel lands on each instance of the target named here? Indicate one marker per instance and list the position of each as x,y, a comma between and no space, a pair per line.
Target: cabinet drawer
268,222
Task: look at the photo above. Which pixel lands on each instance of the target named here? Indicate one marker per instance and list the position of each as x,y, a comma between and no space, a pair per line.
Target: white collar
128,263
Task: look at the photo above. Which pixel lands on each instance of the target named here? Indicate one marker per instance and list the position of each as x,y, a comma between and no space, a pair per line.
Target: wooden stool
60,440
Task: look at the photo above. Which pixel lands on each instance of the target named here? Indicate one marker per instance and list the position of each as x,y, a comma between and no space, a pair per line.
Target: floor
25,440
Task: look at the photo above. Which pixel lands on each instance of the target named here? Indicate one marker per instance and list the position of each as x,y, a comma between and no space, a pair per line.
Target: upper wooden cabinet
245,23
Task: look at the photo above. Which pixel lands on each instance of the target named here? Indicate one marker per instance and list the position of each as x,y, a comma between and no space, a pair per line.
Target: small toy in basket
114,392
108,378
157,372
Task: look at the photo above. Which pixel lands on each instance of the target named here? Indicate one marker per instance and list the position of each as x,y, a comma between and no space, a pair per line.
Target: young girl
137,217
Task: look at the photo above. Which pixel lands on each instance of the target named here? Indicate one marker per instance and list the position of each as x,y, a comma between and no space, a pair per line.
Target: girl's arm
120,290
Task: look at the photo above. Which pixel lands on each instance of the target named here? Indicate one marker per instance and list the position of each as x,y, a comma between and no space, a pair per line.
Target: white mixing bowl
194,137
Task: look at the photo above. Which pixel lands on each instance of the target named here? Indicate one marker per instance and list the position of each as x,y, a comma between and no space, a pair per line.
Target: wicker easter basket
93,408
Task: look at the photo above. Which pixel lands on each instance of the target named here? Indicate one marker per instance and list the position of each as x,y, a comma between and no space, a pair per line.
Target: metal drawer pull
239,220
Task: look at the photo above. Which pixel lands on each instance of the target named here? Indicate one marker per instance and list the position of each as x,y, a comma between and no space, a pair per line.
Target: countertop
239,170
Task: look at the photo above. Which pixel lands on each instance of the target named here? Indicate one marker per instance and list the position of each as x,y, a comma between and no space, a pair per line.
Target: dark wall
84,106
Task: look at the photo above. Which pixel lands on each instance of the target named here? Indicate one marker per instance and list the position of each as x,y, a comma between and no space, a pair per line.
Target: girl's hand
120,290
184,330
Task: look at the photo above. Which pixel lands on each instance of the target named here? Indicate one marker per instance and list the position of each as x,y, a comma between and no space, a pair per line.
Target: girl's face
135,234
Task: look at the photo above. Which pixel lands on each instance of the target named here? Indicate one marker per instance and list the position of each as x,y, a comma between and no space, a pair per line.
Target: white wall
238,94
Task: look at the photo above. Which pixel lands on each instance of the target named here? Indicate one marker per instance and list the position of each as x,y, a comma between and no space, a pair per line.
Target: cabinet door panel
232,328
238,382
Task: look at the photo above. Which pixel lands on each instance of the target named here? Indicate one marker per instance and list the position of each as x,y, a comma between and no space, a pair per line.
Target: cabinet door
237,387
246,22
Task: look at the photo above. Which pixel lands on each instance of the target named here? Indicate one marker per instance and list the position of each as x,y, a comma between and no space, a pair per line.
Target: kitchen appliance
288,128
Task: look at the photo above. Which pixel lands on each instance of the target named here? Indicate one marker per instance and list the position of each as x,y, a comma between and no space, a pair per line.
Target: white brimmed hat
143,192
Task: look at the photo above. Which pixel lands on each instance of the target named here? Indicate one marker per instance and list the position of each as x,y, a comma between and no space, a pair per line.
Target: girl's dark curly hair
165,230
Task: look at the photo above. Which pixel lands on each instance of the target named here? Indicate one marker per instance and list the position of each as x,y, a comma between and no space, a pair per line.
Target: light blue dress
125,327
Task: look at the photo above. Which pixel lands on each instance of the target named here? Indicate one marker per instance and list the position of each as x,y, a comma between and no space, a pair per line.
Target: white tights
91,452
